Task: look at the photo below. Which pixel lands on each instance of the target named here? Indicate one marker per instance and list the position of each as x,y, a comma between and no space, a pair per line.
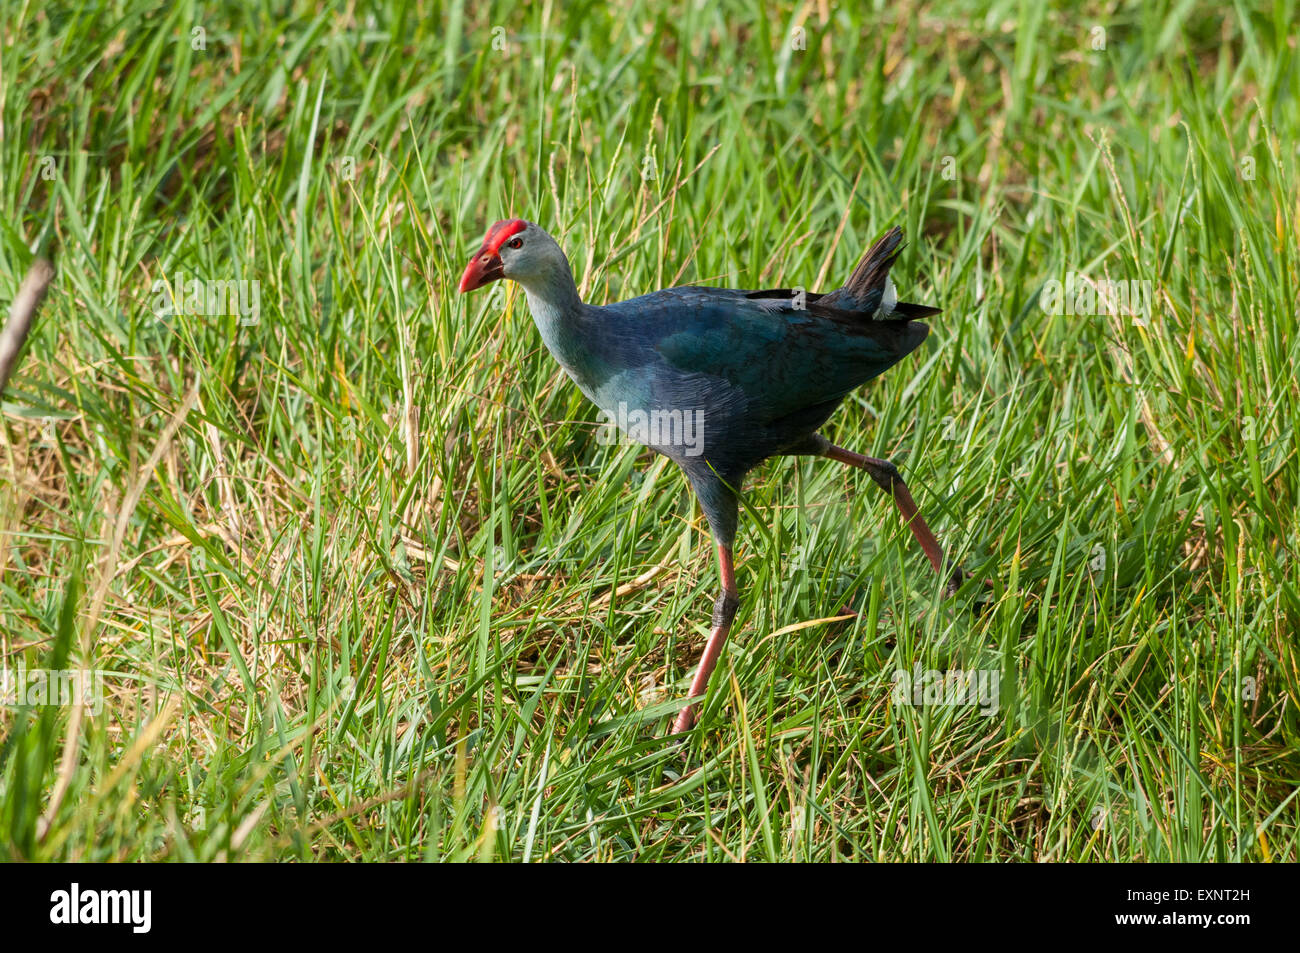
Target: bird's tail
868,287
874,267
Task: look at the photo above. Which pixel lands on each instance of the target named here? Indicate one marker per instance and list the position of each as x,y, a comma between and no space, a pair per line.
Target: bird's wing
778,357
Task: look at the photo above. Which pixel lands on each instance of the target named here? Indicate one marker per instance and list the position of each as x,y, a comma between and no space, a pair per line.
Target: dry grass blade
30,294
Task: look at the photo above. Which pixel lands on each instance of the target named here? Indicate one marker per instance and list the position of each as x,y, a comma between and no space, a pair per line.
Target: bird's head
513,249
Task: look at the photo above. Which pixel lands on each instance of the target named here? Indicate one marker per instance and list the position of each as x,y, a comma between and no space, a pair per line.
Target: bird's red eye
516,243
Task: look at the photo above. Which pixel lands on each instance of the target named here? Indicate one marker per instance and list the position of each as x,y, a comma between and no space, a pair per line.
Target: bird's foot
957,575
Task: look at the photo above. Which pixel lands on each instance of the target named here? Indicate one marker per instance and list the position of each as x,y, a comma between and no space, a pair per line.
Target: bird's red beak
483,268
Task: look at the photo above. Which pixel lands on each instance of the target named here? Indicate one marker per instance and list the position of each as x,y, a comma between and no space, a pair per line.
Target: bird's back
763,369
781,352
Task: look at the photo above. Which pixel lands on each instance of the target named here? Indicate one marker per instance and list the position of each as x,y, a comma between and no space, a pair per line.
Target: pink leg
724,610
890,480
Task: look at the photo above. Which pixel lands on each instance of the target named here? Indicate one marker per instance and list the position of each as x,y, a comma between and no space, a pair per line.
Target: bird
719,380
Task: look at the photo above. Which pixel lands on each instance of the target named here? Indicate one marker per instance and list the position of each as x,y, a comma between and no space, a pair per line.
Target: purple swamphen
755,373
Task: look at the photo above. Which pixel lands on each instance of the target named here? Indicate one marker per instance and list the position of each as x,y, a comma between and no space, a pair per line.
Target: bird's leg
724,610
890,480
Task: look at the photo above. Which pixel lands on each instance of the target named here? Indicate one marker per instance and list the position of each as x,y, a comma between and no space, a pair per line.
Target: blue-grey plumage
756,373
762,374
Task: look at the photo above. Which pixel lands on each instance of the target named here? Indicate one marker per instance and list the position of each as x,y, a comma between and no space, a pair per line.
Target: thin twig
26,302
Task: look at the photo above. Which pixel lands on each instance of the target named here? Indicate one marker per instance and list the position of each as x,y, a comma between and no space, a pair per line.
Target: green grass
364,582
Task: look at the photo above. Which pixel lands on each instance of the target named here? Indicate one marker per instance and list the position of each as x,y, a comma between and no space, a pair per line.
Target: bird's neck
553,297
563,321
